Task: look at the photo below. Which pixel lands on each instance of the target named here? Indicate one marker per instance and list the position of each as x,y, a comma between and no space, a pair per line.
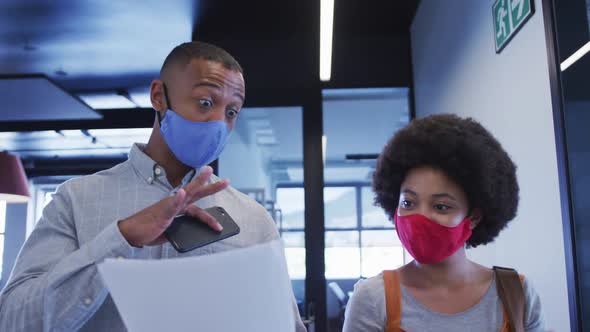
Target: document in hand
239,290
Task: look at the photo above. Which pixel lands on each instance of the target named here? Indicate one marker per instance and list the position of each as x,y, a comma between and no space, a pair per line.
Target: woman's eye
406,204
205,102
442,207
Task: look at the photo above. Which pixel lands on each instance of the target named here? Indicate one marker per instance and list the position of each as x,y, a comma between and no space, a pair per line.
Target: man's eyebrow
207,84
240,95
217,87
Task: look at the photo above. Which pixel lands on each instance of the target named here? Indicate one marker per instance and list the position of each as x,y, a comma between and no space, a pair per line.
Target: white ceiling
91,38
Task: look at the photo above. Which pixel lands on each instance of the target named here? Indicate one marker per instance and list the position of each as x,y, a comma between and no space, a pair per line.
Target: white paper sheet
239,290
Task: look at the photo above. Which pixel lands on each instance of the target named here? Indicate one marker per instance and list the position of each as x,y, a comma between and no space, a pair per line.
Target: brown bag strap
392,300
511,293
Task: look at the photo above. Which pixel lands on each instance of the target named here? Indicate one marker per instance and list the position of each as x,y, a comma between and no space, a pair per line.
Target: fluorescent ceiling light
257,124
355,93
72,133
334,174
145,132
266,140
106,100
265,132
326,30
575,57
27,135
92,152
121,138
141,96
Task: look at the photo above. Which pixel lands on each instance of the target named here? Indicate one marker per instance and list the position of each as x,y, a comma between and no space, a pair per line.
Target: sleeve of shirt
55,285
361,312
534,319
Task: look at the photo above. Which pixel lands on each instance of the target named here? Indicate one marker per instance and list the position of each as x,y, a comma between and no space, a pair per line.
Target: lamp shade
13,181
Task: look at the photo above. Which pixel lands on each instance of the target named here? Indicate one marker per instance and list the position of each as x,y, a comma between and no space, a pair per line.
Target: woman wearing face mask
447,184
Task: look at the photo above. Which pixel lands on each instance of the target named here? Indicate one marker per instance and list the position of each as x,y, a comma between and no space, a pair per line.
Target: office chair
342,299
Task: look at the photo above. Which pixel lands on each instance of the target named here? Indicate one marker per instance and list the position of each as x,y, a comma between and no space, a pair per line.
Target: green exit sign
509,16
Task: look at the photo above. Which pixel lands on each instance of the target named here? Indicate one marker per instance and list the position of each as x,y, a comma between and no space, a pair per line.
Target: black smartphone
187,233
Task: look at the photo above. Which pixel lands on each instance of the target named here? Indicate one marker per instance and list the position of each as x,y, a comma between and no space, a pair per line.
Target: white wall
456,70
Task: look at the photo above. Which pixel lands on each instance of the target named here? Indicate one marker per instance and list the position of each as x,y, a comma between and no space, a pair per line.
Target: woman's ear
475,217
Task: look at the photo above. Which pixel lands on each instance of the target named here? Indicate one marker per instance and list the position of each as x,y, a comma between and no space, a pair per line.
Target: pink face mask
429,242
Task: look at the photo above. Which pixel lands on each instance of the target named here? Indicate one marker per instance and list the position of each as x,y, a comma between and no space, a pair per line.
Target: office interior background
74,85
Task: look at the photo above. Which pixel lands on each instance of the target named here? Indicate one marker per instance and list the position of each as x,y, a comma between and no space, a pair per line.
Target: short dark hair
465,151
184,53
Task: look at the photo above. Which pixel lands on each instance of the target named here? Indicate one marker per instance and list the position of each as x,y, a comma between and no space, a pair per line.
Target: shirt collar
149,170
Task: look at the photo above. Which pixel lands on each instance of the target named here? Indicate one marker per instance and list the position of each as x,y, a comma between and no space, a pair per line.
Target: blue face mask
195,144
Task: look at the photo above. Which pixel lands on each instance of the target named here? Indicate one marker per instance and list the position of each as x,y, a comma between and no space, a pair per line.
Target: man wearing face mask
122,212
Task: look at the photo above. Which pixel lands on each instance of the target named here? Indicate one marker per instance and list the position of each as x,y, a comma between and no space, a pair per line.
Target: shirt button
150,180
87,301
158,171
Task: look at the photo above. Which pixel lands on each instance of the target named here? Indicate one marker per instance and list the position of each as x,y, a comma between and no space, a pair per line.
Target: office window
360,239
380,250
295,253
342,254
291,207
290,219
373,216
2,228
340,207
41,190
44,196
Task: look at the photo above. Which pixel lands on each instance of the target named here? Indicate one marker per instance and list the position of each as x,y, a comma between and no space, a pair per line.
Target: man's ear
157,96
475,217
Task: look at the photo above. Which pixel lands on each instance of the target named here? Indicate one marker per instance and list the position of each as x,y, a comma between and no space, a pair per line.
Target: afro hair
467,153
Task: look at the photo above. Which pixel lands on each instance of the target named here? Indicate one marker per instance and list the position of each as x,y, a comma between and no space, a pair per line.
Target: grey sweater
366,311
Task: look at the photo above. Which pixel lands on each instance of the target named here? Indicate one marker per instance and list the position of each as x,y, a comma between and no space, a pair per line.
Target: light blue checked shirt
55,285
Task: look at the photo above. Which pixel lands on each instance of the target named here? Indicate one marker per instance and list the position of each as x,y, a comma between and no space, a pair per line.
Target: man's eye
205,102
232,114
